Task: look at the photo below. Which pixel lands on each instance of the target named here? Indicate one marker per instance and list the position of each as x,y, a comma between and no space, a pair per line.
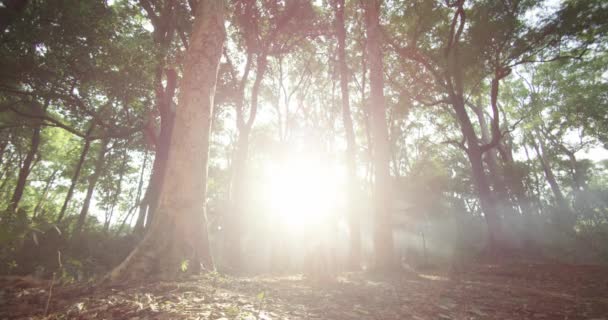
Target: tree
178,235
83,154
100,161
351,146
271,30
381,194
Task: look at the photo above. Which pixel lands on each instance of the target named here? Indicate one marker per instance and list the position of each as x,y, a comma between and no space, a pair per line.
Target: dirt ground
517,291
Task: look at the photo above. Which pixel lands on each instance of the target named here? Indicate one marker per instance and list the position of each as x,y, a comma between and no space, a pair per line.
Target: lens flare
303,193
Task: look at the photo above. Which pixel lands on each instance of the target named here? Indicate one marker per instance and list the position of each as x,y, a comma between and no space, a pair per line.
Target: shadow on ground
520,291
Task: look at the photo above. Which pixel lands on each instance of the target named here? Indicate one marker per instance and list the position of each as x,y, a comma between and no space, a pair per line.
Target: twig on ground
48,300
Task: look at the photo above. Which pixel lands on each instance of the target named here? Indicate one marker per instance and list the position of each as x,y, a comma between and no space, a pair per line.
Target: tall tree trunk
3,145
239,168
491,157
178,234
551,179
24,171
97,170
164,101
563,216
141,217
10,11
383,233
237,206
121,175
536,188
351,147
480,180
47,186
5,177
138,201
75,177
164,31
454,81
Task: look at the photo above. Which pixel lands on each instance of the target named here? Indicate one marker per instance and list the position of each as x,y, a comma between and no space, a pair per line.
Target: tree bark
491,157
480,180
47,186
178,236
10,11
24,171
106,225
138,200
383,233
164,102
474,149
3,145
75,177
563,216
97,170
239,167
351,146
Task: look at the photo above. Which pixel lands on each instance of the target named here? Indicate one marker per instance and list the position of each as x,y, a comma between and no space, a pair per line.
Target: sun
304,192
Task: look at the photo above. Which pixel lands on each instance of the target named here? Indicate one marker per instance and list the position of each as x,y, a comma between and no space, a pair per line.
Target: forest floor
513,291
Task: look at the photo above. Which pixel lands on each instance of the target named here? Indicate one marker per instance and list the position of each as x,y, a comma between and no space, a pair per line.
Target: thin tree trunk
3,145
97,170
383,233
141,217
75,176
178,238
5,174
536,187
239,168
138,200
563,216
47,186
551,179
351,147
24,171
121,175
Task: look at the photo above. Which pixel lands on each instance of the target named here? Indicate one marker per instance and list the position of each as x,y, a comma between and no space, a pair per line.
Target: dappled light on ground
522,291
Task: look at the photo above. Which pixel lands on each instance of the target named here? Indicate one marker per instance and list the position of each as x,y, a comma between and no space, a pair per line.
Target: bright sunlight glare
304,192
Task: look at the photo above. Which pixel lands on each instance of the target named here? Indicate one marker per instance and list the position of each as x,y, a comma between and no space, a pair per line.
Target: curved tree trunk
25,171
164,101
487,201
455,80
178,234
164,23
383,233
491,158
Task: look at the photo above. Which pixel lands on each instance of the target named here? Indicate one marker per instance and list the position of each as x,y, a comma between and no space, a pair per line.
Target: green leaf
184,265
261,295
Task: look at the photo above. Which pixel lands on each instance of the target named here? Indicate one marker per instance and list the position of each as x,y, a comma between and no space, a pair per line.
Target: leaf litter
517,291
